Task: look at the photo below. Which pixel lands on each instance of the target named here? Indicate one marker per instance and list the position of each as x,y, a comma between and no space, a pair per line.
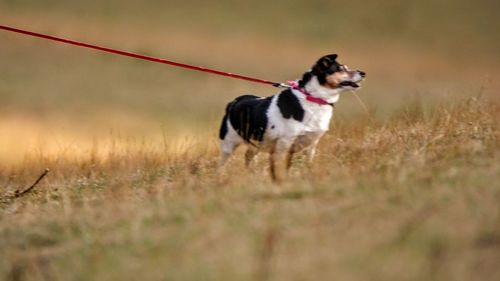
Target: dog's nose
362,73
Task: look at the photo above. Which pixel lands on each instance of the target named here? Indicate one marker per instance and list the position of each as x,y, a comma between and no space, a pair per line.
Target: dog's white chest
317,118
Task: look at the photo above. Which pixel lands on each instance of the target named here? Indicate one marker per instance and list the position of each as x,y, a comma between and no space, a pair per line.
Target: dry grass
415,197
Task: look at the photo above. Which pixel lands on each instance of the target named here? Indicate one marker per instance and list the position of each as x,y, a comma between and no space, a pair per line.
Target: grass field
408,190
413,198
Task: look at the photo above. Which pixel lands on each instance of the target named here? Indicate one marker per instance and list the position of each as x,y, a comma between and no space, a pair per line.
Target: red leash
142,57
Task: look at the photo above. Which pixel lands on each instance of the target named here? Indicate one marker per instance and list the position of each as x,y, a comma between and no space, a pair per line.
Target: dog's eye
330,71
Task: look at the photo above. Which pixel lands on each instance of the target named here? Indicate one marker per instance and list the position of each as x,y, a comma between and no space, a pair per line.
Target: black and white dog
290,121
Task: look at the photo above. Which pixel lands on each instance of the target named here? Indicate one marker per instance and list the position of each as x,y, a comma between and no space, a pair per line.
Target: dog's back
248,116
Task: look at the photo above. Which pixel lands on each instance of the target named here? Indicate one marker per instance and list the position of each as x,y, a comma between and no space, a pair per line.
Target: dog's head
333,75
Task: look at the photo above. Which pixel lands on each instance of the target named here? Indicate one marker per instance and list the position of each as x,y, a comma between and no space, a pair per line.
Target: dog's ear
325,63
332,57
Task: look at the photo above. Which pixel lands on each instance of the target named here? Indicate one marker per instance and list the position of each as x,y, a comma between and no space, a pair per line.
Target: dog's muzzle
349,84
354,83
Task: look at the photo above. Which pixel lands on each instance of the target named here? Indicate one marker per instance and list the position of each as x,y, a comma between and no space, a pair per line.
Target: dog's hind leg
227,148
229,140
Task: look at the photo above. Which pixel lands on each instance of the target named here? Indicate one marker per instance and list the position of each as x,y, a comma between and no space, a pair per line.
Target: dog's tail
223,126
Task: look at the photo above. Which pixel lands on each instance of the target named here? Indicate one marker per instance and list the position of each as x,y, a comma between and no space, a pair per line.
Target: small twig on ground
21,193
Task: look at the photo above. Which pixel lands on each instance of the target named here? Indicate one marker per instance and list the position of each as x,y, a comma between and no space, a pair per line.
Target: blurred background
56,97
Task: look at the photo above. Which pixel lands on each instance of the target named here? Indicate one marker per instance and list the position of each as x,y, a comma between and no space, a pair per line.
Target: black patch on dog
289,106
305,79
248,116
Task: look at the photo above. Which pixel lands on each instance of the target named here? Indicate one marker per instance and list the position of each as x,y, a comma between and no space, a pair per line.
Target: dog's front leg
310,153
250,155
311,150
278,159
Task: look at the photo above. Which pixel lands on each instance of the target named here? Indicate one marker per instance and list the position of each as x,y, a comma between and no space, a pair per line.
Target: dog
291,121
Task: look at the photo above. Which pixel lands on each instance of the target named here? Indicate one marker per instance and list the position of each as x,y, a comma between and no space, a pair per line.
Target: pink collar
295,85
